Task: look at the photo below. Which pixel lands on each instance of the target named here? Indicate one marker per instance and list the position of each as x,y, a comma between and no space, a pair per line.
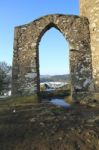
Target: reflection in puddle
60,102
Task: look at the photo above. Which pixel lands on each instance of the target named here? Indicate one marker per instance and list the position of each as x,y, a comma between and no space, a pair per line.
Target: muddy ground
47,127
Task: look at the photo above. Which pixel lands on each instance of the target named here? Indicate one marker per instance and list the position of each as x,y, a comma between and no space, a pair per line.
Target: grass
19,101
54,94
69,99
46,127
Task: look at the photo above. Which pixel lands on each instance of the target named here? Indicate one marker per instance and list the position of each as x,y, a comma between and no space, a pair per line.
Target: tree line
5,78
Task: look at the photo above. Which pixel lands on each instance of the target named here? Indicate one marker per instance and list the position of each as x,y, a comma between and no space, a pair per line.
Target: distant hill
55,78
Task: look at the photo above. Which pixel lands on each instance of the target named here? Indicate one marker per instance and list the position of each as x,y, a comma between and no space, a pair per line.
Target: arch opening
54,63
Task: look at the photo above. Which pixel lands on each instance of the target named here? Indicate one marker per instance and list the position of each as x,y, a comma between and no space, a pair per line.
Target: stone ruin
90,9
75,29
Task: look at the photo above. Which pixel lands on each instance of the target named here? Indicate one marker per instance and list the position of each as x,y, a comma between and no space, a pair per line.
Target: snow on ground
54,84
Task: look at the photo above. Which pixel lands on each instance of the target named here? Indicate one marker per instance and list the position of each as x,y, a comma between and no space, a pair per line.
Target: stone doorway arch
25,75
53,52
48,27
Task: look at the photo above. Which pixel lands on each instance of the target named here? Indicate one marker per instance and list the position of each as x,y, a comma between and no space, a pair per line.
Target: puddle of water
49,90
60,102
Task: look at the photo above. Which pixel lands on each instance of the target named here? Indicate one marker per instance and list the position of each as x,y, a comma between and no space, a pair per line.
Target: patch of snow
55,84
31,75
86,82
14,110
78,87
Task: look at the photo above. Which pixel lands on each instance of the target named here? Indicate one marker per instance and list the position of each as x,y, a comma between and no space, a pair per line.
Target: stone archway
26,61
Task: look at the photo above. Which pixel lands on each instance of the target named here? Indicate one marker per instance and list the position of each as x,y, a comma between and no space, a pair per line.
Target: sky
53,53
19,12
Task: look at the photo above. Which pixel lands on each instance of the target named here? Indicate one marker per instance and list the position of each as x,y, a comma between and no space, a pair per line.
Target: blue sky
18,12
54,53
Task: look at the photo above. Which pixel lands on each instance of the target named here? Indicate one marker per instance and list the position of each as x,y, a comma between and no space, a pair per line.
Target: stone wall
90,9
75,29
